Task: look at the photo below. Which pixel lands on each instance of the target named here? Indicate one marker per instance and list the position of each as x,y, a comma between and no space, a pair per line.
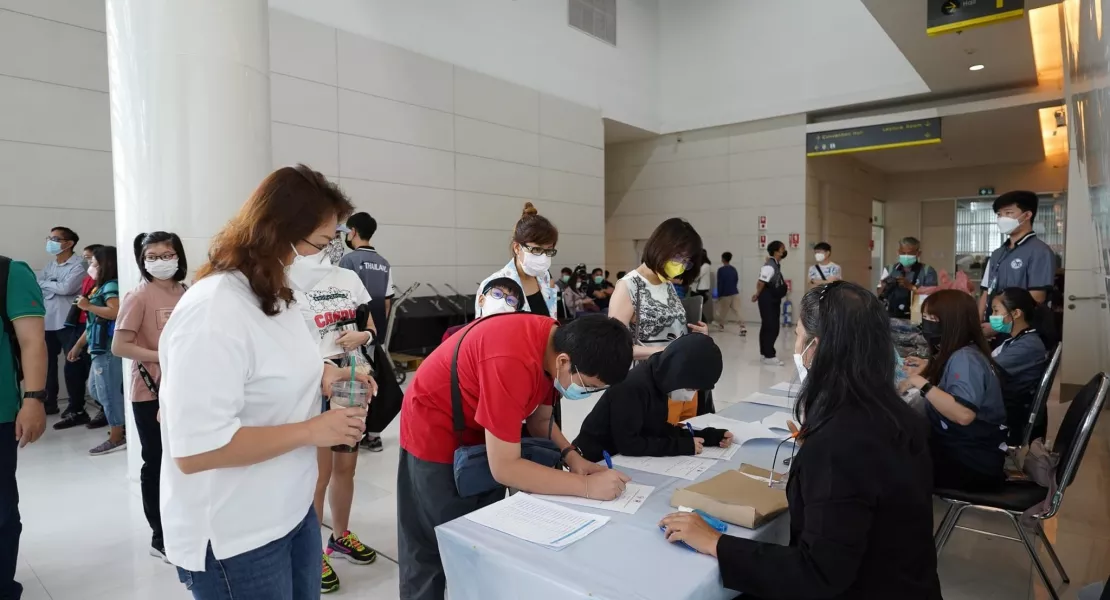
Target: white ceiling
1005,136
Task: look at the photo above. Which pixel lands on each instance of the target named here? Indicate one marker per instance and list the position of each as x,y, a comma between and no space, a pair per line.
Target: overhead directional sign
873,137
946,16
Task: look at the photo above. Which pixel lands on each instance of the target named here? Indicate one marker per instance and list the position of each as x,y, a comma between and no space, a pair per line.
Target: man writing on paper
632,418
509,368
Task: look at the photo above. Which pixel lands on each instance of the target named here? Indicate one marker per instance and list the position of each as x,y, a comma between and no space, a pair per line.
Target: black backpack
9,330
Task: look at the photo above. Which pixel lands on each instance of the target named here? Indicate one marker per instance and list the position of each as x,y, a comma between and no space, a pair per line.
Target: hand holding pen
699,443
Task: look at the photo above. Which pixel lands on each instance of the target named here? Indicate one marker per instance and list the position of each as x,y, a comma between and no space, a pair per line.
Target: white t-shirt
226,365
831,271
703,281
766,272
334,299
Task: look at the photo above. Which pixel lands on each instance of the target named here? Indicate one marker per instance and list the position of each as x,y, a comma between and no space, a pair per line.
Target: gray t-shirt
1030,264
377,276
1022,359
969,378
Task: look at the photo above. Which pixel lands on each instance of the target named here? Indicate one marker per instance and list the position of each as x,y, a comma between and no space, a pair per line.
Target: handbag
473,476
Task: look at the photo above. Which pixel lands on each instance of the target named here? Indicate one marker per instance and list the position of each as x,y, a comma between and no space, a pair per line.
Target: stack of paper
779,420
715,421
769,400
629,502
720,453
684,467
537,521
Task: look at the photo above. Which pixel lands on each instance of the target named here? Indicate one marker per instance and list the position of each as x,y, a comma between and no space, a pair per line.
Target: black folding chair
1018,496
1041,398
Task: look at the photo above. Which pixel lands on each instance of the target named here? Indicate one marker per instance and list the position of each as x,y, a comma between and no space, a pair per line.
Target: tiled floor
85,538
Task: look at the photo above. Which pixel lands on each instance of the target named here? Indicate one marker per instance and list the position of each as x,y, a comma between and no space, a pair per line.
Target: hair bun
529,210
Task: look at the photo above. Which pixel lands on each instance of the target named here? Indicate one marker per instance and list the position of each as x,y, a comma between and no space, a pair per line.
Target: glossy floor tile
85,538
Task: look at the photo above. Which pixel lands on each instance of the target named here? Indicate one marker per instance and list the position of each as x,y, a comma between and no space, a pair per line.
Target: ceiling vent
595,17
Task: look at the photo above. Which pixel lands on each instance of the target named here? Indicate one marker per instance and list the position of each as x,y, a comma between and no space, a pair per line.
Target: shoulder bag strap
147,379
459,420
821,273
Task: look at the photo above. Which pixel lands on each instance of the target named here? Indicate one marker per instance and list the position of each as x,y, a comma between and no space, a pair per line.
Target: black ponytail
138,244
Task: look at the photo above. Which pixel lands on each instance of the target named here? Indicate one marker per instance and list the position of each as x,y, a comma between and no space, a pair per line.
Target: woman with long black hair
860,487
963,395
1021,359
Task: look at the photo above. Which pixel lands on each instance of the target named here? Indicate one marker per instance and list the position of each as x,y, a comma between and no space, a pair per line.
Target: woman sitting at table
860,487
962,393
631,418
1021,358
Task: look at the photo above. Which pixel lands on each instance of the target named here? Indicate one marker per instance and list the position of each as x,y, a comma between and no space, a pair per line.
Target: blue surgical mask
53,248
573,391
999,324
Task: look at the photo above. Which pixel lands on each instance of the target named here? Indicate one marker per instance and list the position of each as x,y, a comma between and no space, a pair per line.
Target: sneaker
373,444
329,581
348,546
72,420
108,447
743,332
97,422
159,552
773,362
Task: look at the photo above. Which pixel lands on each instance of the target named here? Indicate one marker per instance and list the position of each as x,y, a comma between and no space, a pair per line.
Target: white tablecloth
626,559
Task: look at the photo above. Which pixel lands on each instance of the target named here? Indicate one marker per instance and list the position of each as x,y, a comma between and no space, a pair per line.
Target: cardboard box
735,497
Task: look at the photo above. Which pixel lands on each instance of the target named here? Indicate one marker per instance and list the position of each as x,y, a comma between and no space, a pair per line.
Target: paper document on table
785,386
715,421
778,420
769,400
537,521
684,467
720,453
629,502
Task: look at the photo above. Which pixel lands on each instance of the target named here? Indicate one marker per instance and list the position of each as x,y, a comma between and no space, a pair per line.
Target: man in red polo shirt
509,368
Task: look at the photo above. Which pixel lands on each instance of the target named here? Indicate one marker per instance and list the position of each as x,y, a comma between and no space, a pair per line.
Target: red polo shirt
501,377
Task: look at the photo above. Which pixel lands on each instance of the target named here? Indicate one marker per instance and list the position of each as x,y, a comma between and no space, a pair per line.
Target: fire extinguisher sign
762,242
795,240
763,223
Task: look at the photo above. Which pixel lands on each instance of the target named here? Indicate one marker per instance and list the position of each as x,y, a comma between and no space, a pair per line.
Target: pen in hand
608,458
690,428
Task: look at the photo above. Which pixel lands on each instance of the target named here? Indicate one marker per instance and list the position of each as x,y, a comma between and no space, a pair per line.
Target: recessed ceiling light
976,68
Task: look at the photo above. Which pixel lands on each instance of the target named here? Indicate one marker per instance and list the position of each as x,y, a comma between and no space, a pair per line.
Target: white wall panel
305,103
52,52
292,144
303,48
496,177
487,140
42,113
82,13
384,119
375,160
486,98
390,72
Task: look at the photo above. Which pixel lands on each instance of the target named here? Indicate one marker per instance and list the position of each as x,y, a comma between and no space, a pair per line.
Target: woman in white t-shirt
240,396
326,308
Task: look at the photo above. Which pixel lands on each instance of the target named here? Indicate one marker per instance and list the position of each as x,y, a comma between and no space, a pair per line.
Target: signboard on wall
762,242
763,223
795,240
873,137
947,16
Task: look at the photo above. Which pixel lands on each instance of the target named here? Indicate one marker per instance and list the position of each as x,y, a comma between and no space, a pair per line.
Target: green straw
351,388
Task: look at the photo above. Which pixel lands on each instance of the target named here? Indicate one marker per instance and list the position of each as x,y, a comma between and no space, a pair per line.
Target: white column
190,103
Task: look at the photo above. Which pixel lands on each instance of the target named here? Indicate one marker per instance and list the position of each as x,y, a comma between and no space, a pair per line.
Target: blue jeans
107,381
285,569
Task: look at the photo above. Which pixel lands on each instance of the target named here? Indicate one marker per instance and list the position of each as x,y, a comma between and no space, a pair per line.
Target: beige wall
841,189
722,180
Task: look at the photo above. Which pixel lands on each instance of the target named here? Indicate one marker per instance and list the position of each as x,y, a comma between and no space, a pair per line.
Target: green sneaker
329,581
348,546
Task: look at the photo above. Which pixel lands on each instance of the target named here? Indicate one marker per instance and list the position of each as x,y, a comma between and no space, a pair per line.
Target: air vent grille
595,17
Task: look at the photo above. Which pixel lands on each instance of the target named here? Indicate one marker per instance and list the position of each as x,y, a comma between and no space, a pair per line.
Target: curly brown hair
287,207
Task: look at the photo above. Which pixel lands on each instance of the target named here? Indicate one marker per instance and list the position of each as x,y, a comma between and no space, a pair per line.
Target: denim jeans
285,569
10,527
107,382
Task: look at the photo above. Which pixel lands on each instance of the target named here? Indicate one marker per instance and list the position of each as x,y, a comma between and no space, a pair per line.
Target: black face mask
784,253
932,332
347,240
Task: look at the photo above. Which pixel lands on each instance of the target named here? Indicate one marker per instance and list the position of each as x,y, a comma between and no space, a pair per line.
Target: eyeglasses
165,256
538,251
510,300
686,262
582,383
55,238
320,247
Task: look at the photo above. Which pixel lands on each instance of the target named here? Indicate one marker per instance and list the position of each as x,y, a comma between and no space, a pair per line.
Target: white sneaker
773,362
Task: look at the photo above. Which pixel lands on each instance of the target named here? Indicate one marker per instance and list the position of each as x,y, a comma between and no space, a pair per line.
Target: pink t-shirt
145,311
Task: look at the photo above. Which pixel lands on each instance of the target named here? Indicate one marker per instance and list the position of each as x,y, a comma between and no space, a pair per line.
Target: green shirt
24,300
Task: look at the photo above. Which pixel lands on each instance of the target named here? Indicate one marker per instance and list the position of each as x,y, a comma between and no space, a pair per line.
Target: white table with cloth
626,559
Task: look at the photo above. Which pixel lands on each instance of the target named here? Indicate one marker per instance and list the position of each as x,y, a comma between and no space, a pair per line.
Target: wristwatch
567,450
925,389
39,395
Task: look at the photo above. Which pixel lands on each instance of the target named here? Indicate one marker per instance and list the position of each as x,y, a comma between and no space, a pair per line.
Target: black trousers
427,497
10,527
769,309
146,422
76,373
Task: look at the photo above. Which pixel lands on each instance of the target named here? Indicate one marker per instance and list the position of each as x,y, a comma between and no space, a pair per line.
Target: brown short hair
285,208
673,238
532,228
959,320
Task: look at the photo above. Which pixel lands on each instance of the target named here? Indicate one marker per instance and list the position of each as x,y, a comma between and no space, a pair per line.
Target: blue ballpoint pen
691,429
608,458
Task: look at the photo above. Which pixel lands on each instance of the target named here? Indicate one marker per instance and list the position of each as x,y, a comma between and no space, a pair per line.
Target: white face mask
799,363
495,306
534,265
161,269
820,256
682,395
306,271
1007,225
